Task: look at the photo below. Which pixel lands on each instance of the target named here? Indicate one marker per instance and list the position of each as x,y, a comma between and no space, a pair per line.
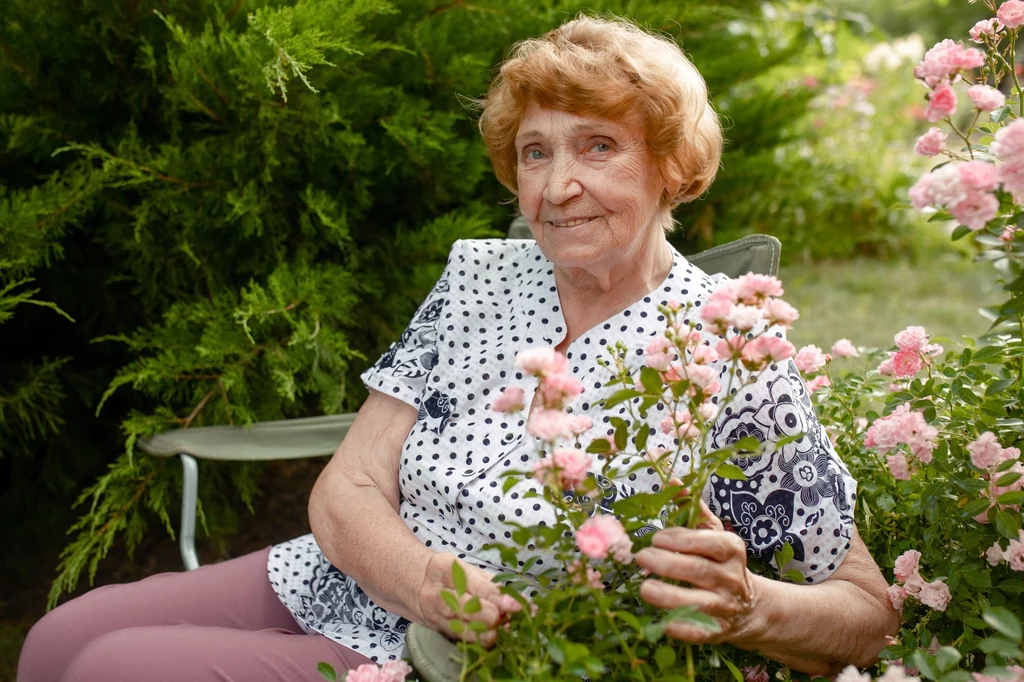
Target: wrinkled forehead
544,124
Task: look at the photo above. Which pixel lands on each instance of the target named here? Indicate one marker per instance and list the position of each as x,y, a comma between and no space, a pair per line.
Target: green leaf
1007,524
976,578
450,599
1012,586
641,438
999,386
457,626
1003,621
959,233
784,555
1008,479
326,671
621,435
478,626
730,471
736,674
794,576
621,396
665,657
651,380
1000,114
458,578
946,659
1012,497
473,605
1001,646
598,446
750,443
926,664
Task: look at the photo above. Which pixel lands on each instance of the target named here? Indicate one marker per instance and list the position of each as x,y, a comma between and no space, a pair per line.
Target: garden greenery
215,213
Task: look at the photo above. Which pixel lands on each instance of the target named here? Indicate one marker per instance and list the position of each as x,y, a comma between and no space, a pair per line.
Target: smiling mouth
571,223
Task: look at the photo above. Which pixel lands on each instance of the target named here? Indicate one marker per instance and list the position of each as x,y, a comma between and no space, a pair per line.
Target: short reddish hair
610,68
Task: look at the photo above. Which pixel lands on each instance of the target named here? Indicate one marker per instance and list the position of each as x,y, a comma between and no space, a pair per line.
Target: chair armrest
283,439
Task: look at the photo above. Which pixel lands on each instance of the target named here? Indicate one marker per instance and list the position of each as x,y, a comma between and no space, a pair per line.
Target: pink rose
367,672
985,451
755,673
911,338
541,361
930,143
941,103
994,554
1011,13
809,359
976,210
944,60
511,400
554,388
573,464
843,348
906,363
1007,235
754,289
777,311
1014,553
743,317
765,349
986,98
913,584
1011,174
704,355
602,534
580,423
658,354
395,671
886,368
714,313
985,27
907,564
549,425
897,595
935,594
898,467
979,175
731,349
851,674
817,383
1009,141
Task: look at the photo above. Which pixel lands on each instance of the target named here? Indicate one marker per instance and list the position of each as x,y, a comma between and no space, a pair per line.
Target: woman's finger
694,569
663,595
709,519
718,545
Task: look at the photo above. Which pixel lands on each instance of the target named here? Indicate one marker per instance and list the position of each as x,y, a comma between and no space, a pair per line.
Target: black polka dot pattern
495,298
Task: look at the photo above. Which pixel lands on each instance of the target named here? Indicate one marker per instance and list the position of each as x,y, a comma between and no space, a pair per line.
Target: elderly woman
600,130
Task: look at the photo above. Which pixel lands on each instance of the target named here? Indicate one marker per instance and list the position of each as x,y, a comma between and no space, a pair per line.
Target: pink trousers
220,622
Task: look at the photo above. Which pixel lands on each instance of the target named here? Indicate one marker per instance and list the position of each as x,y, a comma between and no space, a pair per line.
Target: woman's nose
562,184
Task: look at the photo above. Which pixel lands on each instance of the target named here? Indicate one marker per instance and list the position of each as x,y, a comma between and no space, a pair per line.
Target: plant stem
689,663
1013,71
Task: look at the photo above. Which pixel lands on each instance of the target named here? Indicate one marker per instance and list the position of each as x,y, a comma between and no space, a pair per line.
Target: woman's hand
435,612
714,563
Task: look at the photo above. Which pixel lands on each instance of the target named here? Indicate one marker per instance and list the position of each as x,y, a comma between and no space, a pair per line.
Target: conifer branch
198,408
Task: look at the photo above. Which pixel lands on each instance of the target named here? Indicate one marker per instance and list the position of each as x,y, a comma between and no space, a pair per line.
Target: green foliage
239,208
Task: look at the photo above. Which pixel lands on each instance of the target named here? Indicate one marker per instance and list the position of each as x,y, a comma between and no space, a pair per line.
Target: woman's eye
535,155
600,147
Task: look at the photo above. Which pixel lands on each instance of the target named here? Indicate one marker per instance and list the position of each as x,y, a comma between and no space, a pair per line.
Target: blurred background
221,211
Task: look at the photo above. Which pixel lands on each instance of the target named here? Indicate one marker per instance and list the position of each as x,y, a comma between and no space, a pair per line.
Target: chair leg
189,499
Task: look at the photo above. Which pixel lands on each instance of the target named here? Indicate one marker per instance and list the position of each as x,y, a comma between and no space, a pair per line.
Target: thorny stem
1013,71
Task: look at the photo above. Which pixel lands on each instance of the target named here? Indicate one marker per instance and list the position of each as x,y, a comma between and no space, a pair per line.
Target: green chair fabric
434,657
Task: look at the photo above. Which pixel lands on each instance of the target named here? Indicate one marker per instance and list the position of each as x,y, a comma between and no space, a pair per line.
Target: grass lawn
870,301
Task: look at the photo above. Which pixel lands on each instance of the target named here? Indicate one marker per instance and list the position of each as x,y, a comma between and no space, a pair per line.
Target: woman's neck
589,296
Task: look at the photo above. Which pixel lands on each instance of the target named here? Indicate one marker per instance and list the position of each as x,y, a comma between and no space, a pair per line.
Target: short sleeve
403,369
801,492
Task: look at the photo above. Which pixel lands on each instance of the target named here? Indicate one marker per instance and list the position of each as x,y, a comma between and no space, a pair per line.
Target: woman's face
588,187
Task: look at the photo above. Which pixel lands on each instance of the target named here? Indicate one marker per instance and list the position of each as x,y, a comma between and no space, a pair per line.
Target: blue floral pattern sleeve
801,492
403,369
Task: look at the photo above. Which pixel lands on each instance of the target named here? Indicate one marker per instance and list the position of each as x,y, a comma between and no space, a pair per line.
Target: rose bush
931,432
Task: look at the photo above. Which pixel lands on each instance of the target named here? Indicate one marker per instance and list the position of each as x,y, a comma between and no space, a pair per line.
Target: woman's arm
823,628
817,629
353,513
